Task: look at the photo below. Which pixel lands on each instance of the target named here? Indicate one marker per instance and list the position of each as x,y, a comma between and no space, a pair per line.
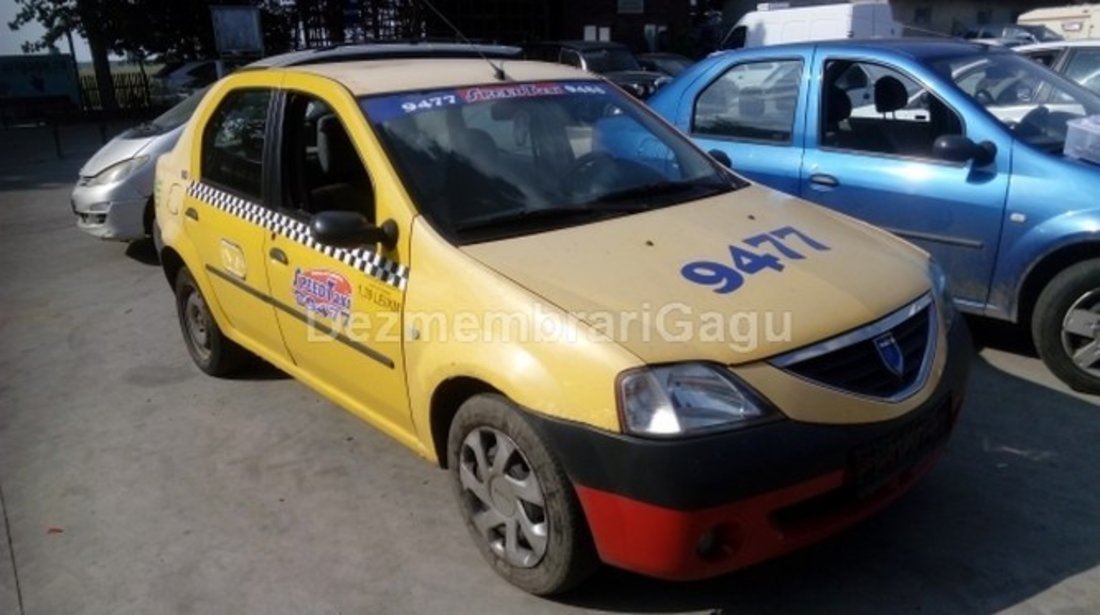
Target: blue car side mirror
957,148
721,157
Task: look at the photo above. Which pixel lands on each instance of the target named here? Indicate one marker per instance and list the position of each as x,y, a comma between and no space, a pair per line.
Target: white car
113,197
1077,60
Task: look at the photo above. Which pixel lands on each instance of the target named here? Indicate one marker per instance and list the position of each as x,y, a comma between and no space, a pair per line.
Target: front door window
876,109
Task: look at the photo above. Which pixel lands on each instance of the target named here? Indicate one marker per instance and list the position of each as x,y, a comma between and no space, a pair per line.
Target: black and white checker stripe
368,261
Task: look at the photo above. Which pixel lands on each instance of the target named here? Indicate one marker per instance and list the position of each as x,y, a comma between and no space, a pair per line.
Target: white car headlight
942,293
684,399
118,171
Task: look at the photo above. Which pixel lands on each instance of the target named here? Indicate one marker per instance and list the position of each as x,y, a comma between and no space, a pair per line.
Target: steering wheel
586,174
984,97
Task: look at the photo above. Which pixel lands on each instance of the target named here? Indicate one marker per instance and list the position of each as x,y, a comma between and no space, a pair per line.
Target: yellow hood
623,277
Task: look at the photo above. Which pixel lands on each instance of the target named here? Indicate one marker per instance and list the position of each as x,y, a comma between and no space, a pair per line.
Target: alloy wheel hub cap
503,497
1081,332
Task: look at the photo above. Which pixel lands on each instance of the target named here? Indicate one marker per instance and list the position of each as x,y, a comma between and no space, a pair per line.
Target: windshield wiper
648,191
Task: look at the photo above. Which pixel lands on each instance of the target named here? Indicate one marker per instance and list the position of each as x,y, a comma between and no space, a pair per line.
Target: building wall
519,21
625,25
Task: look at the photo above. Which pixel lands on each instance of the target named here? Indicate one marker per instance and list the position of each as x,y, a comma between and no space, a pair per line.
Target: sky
11,42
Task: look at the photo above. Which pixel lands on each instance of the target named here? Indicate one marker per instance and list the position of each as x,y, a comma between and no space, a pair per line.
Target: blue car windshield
508,159
1032,100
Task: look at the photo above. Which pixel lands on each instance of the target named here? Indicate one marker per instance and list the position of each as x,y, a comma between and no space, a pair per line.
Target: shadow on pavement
1001,335
144,252
260,370
1011,511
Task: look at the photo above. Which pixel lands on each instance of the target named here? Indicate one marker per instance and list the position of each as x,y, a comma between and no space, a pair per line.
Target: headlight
685,398
942,293
118,171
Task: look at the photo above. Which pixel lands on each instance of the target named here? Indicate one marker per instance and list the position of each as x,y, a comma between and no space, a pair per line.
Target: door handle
823,180
279,256
192,213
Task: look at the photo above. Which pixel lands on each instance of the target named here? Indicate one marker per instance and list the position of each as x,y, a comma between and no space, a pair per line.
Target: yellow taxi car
621,351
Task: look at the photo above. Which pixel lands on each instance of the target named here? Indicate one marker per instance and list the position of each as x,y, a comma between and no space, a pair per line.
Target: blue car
955,146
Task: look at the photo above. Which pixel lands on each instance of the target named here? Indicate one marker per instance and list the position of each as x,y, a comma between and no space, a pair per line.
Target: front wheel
1066,326
518,504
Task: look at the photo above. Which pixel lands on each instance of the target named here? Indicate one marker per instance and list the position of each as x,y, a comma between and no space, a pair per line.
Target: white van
1078,21
778,22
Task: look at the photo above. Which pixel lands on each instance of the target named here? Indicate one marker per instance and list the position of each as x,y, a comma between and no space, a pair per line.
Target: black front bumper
710,470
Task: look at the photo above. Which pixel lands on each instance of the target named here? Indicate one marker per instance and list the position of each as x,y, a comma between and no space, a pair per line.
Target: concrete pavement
135,484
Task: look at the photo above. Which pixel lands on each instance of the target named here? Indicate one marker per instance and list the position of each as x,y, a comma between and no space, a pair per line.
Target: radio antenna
498,71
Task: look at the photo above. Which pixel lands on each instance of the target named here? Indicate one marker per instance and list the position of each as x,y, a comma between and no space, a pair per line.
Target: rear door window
233,143
753,101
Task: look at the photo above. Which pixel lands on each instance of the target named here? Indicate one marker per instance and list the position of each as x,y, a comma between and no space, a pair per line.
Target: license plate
876,464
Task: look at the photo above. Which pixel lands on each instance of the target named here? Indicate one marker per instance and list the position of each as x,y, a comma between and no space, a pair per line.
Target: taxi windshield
1032,100
504,160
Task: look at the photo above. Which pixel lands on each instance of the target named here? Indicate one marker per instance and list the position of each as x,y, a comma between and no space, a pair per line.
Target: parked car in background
468,257
955,146
1072,22
1078,60
1002,42
612,60
778,22
1012,31
113,197
178,80
669,64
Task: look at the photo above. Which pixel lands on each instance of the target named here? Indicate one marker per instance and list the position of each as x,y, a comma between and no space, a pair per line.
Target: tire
148,218
502,497
209,348
1066,322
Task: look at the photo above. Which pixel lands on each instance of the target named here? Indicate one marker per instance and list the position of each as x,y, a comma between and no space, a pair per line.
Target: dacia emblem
890,353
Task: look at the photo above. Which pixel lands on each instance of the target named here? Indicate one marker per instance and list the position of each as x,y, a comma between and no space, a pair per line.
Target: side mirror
957,148
350,229
721,157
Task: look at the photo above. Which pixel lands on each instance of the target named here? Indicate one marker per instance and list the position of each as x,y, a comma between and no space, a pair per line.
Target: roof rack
386,50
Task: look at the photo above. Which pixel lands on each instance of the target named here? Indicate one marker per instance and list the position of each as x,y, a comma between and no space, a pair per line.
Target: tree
168,29
61,18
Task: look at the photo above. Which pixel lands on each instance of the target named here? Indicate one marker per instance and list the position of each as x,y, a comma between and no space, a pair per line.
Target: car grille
855,363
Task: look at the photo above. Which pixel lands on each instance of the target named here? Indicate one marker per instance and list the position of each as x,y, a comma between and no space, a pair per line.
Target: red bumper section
689,545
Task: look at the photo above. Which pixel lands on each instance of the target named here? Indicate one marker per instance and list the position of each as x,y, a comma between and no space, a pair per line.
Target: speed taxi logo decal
368,261
383,108
746,262
324,293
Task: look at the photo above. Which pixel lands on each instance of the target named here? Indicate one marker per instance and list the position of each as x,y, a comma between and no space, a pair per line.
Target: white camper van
1074,22
778,22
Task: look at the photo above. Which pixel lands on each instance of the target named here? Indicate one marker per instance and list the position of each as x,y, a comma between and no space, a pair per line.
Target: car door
1082,64
748,111
873,159
222,206
339,306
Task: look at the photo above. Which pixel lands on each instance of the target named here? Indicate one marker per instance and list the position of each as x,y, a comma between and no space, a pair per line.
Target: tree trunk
76,72
89,16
